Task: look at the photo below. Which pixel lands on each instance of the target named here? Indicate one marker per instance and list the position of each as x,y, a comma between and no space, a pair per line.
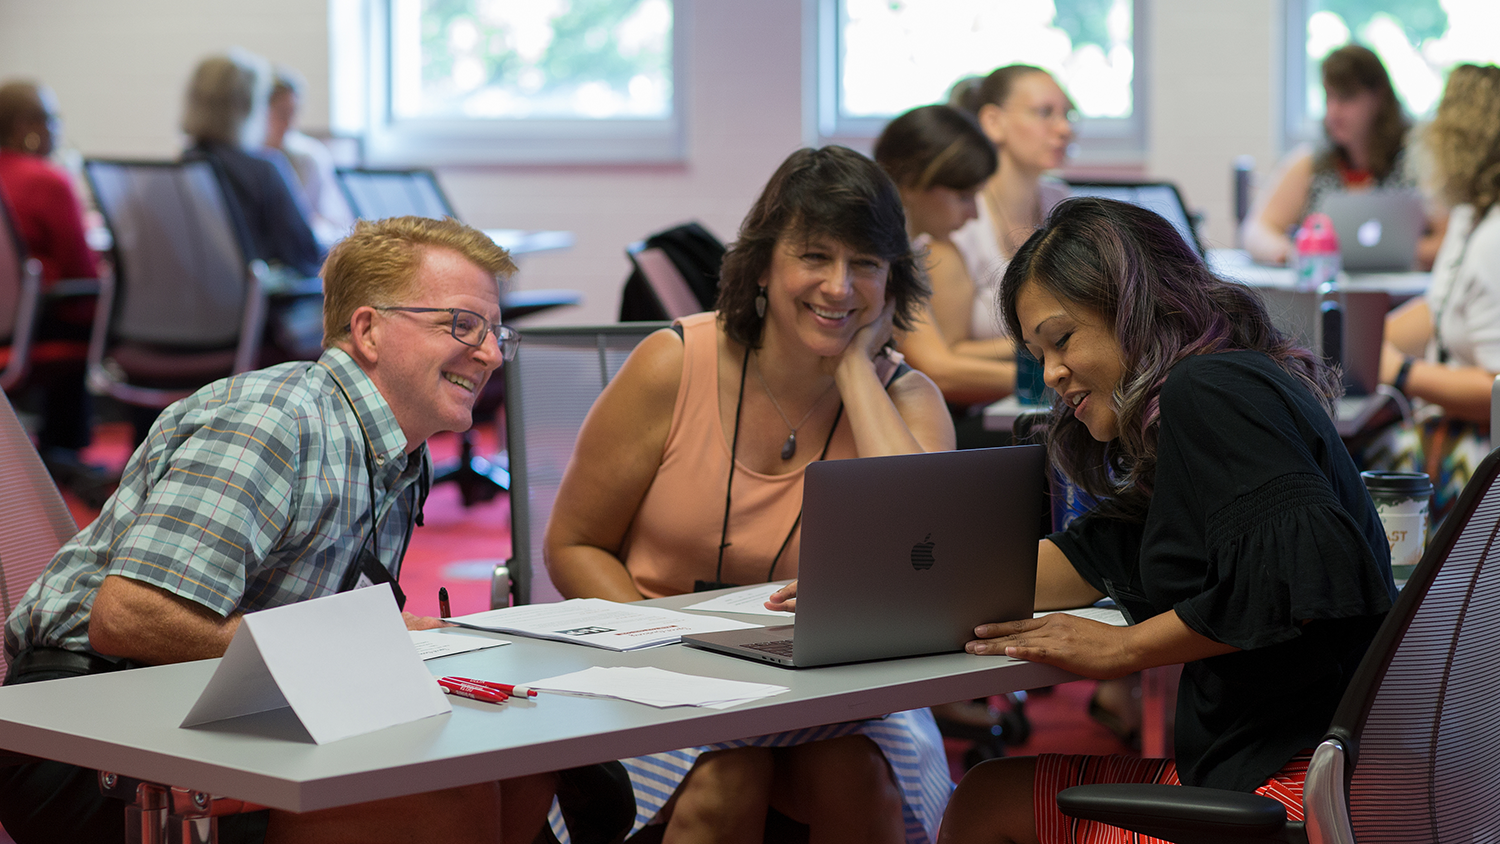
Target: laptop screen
1161,197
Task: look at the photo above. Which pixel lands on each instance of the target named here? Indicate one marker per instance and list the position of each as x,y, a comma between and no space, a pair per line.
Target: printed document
598,623
751,601
447,641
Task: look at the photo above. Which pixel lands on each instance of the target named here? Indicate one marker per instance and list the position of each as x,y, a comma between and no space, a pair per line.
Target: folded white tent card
343,663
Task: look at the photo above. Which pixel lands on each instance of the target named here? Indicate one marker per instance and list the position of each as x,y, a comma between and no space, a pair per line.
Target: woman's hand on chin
870,338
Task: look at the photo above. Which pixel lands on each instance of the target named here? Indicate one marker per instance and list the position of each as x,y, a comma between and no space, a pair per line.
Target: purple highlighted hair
1131,266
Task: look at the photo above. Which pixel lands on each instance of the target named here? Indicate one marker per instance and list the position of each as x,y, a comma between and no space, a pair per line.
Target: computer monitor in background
1161,197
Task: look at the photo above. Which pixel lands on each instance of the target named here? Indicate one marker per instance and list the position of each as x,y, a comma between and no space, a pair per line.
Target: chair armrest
1183,814
502,588
69,288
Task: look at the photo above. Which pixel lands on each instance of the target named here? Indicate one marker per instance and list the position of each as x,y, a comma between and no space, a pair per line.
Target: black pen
443,609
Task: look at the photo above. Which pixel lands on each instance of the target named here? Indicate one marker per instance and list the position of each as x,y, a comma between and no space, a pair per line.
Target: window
497,81
1419,41
878,58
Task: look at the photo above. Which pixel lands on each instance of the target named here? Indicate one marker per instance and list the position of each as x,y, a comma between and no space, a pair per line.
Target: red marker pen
503,687
471,691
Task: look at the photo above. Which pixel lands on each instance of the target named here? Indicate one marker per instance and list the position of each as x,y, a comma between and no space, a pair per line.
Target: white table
1235,264
127,722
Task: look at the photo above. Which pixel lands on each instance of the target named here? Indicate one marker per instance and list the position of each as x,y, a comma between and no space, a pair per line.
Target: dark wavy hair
1349,70
936,146
829,192
1130,266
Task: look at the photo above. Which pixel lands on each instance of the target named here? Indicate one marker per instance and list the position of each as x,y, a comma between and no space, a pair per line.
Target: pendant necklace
788,448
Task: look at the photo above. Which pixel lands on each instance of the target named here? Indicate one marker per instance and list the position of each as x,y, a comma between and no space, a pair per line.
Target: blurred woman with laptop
1365,130
688,474
1443,350
1233,529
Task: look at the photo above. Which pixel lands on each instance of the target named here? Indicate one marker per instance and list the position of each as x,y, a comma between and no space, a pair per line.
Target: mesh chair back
34,522
377,194
557,374
1422,714
180,274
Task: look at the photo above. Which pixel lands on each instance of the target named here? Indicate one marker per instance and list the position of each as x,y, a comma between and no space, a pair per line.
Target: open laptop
1161,197
905,555
1378,229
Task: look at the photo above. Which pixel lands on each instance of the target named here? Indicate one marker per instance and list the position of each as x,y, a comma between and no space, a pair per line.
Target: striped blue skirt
909,741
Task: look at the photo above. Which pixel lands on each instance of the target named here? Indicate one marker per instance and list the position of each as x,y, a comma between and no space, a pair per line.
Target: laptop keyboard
779,647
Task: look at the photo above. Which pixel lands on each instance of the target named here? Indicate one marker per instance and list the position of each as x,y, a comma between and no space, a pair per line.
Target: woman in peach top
688,474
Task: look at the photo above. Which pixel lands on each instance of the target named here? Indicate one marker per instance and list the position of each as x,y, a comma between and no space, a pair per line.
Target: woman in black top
1234,531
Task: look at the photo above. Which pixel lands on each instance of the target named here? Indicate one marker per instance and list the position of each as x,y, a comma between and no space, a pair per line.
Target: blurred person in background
310,159
48,220
1364,148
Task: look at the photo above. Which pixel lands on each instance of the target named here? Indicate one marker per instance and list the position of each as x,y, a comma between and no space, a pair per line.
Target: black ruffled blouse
1260,534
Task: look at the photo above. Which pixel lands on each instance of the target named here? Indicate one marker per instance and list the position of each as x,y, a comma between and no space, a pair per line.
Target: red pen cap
472,691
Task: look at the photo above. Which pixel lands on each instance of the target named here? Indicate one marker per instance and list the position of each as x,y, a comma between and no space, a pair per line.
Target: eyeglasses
1048,113
471,329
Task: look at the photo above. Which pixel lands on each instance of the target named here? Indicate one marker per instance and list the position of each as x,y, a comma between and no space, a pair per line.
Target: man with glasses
273,487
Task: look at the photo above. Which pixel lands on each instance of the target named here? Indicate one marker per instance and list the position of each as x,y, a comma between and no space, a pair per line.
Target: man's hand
422,622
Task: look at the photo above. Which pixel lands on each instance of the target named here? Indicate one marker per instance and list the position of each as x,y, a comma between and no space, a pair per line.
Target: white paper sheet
657,687
599,623
447,641
1108,615
343,663
751,600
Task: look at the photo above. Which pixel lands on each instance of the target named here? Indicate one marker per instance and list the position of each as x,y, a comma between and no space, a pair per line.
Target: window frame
1113,140
1296,127
360,106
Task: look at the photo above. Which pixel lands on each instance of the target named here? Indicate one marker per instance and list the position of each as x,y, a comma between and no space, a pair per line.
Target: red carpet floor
458,547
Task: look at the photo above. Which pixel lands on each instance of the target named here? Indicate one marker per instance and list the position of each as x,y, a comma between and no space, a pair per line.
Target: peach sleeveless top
674,538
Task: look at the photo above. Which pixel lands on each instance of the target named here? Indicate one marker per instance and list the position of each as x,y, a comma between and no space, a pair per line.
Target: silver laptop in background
1161,197
905,555
1378,229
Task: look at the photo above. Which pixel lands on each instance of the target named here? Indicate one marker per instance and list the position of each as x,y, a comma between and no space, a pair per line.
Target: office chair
35,520
36,523
674,273
554,379
1410,756
21,304
183,307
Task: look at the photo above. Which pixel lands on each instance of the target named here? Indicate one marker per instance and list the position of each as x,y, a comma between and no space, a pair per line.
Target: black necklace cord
771,572
734,445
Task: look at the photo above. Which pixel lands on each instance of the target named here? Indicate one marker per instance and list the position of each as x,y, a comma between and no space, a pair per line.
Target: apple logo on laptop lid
921,554
1368,233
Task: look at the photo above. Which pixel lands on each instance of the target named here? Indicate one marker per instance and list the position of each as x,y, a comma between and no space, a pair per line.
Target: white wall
119,66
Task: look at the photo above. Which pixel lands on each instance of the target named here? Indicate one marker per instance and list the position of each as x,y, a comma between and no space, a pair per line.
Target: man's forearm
138,621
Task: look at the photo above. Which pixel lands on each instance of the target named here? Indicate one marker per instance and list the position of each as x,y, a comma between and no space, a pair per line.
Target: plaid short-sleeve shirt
251,493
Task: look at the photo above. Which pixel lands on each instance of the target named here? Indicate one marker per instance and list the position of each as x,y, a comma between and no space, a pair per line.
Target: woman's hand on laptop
783,599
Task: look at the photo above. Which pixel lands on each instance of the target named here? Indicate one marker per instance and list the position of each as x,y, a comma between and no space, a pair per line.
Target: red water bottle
1317,262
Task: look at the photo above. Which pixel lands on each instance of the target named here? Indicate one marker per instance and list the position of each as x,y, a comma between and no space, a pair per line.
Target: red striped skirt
1055,772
